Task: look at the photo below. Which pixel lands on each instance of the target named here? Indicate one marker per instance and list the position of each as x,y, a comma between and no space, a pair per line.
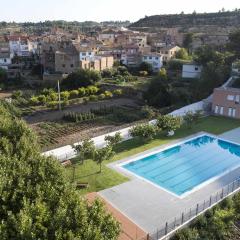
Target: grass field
88,172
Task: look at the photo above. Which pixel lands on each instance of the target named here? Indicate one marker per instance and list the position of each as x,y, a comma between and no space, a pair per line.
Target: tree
3,75
145,132
37,201
182,54
85,150
147,67
233,45
81,78
191,118
103,154
168,123
188,40
113,140
187,234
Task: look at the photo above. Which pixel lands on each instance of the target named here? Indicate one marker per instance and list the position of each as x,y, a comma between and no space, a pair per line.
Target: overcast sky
101,10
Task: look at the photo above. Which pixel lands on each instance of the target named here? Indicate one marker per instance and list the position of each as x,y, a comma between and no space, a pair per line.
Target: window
234,112
5,60
196,68
237,99
230,97
156,58
221,110
72,65
145,57
83,54
63,65
230,112
150,58
216,109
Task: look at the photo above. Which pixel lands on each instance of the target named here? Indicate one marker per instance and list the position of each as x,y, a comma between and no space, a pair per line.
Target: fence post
166,228
197,209
190,212
210,202
228,190
204,204
233,186
222,192
182,217
217,197
175,222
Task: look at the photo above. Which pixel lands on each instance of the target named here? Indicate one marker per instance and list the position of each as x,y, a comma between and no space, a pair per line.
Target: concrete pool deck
151,207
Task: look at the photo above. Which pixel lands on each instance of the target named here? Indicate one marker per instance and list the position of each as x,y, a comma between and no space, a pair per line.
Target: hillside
220,19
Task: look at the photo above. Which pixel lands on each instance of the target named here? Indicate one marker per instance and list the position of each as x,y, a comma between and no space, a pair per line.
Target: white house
155,60
19,46
191,70
86,54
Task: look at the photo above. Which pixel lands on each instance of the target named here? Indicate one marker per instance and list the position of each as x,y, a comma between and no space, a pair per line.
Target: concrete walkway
233,135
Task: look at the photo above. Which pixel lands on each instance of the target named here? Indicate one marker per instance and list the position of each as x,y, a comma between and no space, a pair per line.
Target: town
121,130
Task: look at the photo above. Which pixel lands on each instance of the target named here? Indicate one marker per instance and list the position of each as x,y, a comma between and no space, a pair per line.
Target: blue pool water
181,168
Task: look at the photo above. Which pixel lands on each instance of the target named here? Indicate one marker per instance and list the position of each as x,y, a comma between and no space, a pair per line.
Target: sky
103,10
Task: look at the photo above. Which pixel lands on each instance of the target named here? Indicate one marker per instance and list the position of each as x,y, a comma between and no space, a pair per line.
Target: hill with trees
220,19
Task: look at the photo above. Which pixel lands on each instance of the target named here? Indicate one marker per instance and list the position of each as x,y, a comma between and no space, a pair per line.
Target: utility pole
59,97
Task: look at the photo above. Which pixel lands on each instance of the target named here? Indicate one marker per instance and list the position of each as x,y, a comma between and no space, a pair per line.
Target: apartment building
98,63
155,60
5,58
19,46
226,102
169,52
66,61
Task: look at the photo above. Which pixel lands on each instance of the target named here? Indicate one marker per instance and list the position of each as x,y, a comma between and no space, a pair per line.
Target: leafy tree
85,150
182,54
188,40
81,78
145,132
147,67
158,93
113,140
37,201
233,45
169,123
103,154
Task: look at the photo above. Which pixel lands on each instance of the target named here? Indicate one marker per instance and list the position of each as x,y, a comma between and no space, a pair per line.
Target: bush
147,112
93,98
17,94
74,94
144,131
52,104
42,99
108,94
118,92
81,92
143,73
169,123
113,140
65,95
101,96
34,100
90,90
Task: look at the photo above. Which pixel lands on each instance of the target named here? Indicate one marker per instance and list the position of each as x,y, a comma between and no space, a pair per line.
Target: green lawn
88,172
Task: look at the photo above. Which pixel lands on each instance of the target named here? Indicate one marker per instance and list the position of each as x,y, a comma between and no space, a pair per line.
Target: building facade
226,102
191,70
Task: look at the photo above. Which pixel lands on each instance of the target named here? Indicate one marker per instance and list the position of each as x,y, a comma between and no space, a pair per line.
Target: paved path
130,231
233,135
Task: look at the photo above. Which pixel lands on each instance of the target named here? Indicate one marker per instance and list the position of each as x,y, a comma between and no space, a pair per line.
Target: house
66,61
97,63
131,59
169,52
191,70
5,58
156,60
107,37
19,46
226,102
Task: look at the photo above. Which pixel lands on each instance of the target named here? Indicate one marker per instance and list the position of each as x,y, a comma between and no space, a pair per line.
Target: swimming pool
184,167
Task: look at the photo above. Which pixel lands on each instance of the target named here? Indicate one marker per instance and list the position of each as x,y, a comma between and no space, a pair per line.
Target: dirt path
53,115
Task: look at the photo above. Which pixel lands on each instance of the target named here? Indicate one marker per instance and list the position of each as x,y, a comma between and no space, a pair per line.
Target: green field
88,172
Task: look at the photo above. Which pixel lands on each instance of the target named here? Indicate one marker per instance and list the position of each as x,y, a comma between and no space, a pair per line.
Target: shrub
113,140
52,104
34,100
78,117
74,94
81,92
169,123
108,94
85,100
118,92
93,98
65,95
90,90
101,96
17,94
147,112
42,99
144,131
143,73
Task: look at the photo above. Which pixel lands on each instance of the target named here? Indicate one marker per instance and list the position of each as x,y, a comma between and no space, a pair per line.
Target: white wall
191,71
